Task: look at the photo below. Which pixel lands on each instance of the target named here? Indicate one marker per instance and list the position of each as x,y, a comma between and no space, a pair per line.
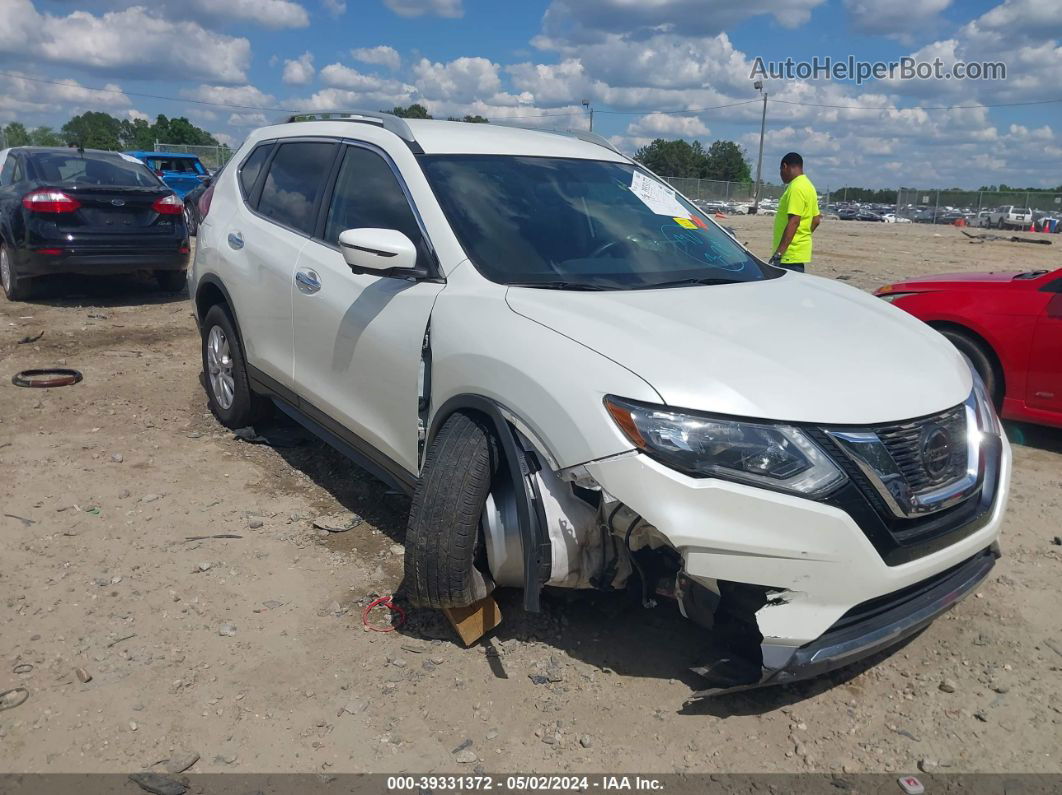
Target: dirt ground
250,651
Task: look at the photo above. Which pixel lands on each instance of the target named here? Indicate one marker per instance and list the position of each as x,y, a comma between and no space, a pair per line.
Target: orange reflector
625,421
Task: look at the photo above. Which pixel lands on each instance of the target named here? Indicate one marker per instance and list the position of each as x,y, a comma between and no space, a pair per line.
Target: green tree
93,130
137,135
477,119
672,158
45,136
725,160
16,134
414,111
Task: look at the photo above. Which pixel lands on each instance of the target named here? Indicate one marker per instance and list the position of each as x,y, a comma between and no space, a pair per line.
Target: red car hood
985,279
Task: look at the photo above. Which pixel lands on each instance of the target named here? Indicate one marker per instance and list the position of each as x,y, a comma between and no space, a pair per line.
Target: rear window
90,168
179,165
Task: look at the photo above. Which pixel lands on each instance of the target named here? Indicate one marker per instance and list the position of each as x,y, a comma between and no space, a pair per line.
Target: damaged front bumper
866,629
792,587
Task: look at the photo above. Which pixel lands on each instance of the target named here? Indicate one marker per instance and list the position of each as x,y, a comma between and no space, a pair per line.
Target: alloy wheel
219,365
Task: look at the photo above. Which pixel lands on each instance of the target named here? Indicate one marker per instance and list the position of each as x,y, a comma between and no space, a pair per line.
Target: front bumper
812,560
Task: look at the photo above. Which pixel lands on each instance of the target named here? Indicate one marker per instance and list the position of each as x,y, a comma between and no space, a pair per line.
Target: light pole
758,85
586,104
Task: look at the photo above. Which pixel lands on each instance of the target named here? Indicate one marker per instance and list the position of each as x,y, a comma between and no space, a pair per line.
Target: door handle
307,281
235,240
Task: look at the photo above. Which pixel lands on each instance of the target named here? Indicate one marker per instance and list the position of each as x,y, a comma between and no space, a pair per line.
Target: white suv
584,382
1011,216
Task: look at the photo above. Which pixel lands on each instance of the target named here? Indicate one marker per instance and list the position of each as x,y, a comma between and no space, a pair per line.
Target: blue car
183,173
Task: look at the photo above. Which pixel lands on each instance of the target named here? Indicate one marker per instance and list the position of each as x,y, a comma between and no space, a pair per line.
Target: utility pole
586,104
758,85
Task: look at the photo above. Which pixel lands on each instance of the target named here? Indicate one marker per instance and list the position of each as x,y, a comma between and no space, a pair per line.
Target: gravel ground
144,640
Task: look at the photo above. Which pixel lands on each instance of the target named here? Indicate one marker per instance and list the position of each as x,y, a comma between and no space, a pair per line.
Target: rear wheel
445,561
16,288
225,374
983,361
171,281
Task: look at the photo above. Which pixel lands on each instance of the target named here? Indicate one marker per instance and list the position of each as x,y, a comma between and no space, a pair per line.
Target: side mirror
385,252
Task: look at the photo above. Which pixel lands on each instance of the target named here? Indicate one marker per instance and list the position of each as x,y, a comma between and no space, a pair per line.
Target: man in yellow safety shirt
798,216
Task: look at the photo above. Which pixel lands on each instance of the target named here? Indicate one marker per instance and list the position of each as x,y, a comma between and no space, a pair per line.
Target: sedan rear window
90,168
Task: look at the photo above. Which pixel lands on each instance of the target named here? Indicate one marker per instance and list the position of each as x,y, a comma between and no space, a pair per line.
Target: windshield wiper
685,282
558,285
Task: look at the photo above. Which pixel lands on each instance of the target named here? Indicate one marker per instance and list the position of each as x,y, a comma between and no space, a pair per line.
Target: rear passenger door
282,186
357,335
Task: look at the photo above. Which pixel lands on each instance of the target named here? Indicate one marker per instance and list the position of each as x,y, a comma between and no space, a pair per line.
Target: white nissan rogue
584,382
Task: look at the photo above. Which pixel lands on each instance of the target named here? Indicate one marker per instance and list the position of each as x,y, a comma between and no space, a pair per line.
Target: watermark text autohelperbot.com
850,68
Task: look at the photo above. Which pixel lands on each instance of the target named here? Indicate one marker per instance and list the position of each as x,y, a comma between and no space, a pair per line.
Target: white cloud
274,14
660,125
380,56
135,114
299,71
335,7
581,21
416,8
248,120
1039,18
23,98
896,18
245,96
132,42
463,79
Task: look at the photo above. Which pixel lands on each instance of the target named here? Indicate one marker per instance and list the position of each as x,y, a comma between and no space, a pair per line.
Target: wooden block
473,622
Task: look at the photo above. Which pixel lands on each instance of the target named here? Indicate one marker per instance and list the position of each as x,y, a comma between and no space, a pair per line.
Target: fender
212,279
520,463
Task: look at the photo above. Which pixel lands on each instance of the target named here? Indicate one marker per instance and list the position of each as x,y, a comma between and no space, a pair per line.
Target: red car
1008,324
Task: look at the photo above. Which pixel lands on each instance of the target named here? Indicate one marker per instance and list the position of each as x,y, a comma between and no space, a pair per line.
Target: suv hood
798,348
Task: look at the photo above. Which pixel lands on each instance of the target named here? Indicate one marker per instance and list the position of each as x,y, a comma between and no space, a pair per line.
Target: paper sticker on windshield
685,223
657,197
130,158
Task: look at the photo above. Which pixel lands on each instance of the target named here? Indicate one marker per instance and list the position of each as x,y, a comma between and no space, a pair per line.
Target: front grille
906,443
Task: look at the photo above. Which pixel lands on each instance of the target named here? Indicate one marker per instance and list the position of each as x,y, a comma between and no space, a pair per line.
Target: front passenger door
358,335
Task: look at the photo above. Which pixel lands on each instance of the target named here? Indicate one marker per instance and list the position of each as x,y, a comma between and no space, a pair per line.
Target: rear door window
252,167
293,183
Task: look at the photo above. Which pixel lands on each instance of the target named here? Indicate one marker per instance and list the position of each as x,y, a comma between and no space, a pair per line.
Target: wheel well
209,295
981,342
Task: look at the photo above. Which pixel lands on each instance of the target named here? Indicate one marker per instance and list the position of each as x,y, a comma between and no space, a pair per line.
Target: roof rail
388,121
582,135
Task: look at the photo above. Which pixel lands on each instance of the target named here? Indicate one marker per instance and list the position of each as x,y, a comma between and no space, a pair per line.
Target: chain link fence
912,202
213,157
715,190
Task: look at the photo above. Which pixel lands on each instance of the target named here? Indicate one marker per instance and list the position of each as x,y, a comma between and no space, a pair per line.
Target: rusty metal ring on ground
14,703
46,378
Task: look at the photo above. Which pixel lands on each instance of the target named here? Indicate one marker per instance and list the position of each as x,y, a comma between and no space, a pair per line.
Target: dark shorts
794,266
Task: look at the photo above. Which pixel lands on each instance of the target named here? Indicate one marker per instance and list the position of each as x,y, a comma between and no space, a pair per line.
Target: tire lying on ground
445,560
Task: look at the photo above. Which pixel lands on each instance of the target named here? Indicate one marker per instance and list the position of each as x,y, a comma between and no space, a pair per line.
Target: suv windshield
581,224
61,169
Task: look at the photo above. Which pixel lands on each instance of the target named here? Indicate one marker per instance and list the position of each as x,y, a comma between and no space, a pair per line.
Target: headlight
987,419
890,297
776,456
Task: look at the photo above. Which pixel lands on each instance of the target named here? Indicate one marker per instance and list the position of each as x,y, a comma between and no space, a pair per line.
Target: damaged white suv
584,382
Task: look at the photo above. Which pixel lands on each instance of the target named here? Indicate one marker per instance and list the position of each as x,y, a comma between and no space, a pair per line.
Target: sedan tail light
50,201
168,205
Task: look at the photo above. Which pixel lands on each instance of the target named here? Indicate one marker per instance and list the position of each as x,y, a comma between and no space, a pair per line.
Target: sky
649,69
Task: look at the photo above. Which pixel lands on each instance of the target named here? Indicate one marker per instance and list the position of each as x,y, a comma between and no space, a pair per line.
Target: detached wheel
16,288
983,361
172,281
446,561
225,374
